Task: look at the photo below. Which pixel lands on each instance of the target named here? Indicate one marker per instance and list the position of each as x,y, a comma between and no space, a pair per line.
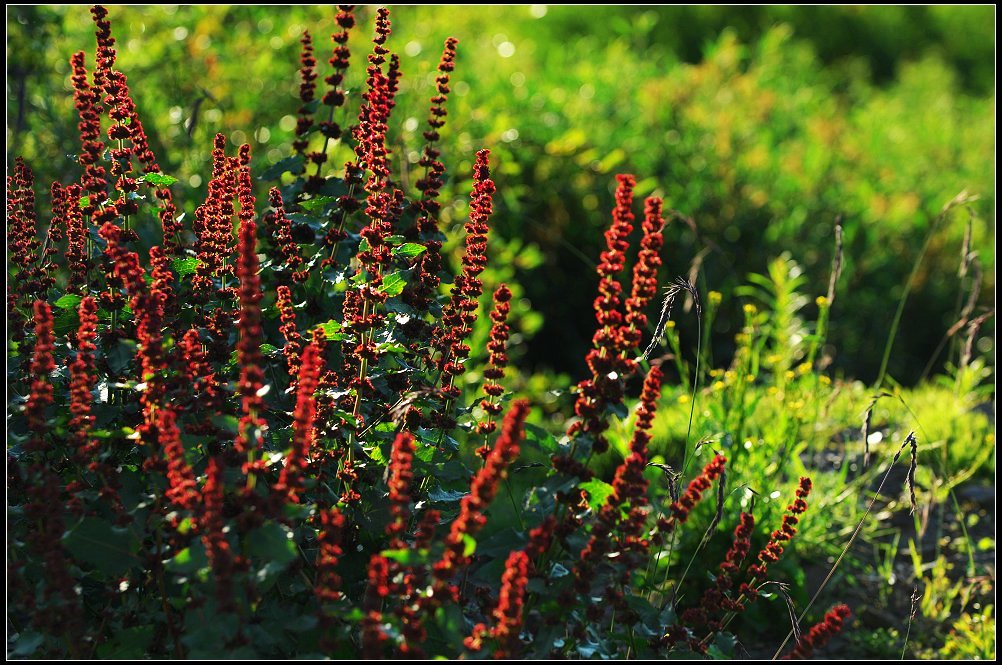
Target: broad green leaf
68,301
272,542
393,284
598,492
185,266
157,179
111,550
292,164
469,545
439,495
409,249
317,203
539,438
84,201
189,560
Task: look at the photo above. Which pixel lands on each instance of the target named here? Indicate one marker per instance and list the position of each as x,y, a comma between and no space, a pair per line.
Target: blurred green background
760,125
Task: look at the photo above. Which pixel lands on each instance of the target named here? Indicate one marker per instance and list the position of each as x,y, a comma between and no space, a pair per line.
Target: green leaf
68,301
189,560
331,329
407,557
84,201
409,249
292,164
439,495
120,355
722,647
157,179
598,492
317,203
111,550
393,284
541,439
185,266
469,545
128,644
272,542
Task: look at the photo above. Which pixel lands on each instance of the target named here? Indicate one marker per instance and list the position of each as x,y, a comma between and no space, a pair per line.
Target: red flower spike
460,313
251,335
820,633
82,381
497,348
293,340
482,491
182,490
42,365
773,550
290,481
332,525
607,361
211,524
401,475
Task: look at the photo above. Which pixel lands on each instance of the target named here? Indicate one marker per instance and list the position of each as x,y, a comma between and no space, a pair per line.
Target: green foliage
761,136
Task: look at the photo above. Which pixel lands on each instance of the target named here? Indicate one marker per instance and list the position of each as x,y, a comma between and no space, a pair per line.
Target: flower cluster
820,633
30,281
482,490
607,362
42,364
774,548
251,336
88,105
293,340
460,312
82,381
280,229
76,240
213,223
628,487
497,359
307,90
645,272
401,476
694,492
339,60
290,482
182,490
508,613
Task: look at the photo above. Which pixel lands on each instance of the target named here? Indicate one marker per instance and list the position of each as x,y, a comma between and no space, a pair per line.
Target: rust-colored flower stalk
82,382
820,633
42,365
307,90
483,488
290,481
182,490
401,476
607,361
508,613
497,348
251,386
774,548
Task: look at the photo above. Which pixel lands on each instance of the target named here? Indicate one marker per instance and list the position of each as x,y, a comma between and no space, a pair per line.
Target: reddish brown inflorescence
820,633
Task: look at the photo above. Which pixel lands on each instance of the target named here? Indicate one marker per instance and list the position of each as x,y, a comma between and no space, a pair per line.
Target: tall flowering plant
266,435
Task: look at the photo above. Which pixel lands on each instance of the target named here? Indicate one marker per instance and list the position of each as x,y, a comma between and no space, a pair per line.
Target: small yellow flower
821,301
730,375
718,386
789,375
749,378
824,380
714,297
683,398
669,324
750,309
804,368
714,373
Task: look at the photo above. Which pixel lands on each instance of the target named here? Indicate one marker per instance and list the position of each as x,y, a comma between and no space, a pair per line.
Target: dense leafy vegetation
340,423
